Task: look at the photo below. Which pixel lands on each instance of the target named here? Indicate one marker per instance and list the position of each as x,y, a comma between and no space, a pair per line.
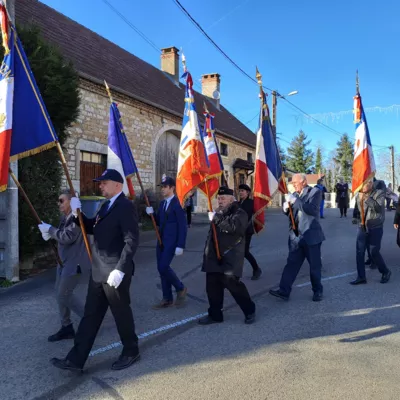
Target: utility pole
12,243
274,104
392,166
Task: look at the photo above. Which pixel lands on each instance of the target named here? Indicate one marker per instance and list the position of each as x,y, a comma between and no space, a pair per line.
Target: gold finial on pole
357,83
109,92
258,77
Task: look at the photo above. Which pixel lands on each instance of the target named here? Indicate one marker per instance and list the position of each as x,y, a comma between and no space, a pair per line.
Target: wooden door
167,156
90,171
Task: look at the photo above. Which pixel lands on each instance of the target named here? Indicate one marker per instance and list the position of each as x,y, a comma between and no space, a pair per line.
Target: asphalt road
345,347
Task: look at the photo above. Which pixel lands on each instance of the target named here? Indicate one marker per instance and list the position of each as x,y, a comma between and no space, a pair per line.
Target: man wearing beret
231,224
247,204
173,230
116,236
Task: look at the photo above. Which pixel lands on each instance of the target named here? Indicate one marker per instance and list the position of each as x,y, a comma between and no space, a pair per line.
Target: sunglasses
61,201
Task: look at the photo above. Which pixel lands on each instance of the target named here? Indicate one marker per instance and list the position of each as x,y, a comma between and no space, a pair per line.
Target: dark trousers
189,215
216,283
100,296
343,210
168,276
321,208
388,202
373,239
299,251
248,256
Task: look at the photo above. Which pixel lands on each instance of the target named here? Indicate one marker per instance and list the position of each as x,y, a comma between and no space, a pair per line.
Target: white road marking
150,333
190,319
329,278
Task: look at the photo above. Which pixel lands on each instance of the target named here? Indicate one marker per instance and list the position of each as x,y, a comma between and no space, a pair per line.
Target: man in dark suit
173,230
231,223
370,203
247,204
116,237
305,240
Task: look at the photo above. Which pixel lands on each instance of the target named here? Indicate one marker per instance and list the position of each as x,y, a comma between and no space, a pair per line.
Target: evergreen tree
300,158
40,175
318,161
344,157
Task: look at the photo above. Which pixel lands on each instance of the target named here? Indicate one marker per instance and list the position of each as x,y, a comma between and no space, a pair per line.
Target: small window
242,179
250,157
94,158
224,149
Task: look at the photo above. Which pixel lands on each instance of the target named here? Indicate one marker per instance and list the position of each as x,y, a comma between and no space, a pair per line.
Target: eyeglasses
61,201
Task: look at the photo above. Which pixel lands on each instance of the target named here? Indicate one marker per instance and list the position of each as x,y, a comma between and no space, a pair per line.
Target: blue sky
311,46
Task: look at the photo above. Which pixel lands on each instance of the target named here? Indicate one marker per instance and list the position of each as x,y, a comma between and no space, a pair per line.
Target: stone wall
143,125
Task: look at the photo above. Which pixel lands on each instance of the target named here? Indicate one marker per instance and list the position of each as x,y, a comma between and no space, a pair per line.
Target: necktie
165,205
104,209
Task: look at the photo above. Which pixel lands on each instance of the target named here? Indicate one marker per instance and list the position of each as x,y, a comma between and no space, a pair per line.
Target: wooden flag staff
34,213
146,199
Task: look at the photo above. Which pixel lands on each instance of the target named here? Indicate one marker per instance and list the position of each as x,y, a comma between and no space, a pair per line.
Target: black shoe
65,364
358,281
318,296
207,320
256,274
386,277
279,293
373,266
250,319
322,217
368,262
66,332
125,362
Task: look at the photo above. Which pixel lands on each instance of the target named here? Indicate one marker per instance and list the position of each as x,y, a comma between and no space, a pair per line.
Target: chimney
210,87
170,62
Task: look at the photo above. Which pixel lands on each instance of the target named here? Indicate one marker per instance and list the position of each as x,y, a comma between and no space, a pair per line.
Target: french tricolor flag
364,163
269,175
119,155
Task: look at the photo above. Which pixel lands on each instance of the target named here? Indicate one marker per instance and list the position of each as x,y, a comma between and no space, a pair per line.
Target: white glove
149,210
115,278
211,215
44,228
46,236
178,251
75,204
285,206
291,198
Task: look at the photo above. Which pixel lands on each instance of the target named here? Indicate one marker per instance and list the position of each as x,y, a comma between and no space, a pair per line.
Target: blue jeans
299,251
321,208
371,239
167,274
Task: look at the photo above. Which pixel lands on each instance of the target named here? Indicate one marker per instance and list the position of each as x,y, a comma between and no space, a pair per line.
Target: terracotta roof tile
97,58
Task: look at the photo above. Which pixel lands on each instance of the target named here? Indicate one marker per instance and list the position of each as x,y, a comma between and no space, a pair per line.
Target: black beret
245,187
225,190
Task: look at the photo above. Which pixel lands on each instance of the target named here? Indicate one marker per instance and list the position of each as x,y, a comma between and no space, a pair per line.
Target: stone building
151,102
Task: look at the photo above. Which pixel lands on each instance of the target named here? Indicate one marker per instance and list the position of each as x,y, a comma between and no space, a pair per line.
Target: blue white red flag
214,157
269,176
25,126
364,163
120,156
192,160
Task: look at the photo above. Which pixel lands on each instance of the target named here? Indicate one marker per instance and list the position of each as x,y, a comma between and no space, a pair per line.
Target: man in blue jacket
305,240
172,224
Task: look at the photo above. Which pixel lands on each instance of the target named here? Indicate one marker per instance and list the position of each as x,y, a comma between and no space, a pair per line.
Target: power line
199,27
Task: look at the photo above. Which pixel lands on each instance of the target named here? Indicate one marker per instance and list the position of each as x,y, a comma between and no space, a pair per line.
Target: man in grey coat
231,224
305,239
370,216
74,258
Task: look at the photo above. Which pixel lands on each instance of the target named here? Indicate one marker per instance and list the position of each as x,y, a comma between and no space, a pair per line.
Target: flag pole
362,199
259,81
73,194
214,229
34,213
146,199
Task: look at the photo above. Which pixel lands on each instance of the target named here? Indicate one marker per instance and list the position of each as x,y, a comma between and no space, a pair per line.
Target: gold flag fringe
32,151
